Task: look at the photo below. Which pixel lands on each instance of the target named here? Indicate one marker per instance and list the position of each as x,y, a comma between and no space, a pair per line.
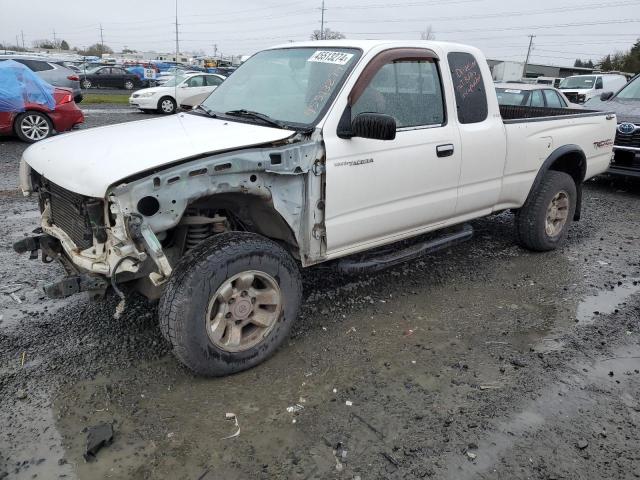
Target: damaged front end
92,241
145,224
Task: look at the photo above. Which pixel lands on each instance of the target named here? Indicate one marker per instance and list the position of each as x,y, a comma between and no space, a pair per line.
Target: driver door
379,191
191,87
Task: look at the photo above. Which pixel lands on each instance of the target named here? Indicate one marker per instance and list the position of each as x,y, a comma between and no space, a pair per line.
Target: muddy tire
543,222
230,303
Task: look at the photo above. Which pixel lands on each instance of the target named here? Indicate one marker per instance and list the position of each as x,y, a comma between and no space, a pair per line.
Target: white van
580,88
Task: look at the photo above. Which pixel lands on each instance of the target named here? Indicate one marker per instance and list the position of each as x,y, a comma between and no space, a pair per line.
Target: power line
518,13
524,27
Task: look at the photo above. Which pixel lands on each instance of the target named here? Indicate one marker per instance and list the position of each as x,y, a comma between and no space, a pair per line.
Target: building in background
506,71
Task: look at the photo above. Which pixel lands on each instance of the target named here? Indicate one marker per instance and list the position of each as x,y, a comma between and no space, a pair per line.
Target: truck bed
516,113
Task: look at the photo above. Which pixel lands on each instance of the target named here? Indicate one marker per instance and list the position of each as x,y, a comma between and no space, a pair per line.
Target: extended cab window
471,98
408,90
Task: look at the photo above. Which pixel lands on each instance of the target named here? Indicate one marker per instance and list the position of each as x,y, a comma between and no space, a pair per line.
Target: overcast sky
564,29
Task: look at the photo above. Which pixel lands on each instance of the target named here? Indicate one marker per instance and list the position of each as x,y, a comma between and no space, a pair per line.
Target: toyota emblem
626,128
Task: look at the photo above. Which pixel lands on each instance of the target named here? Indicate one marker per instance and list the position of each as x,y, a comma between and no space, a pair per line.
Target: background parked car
172,72
166,98
51,72
31,108
109,76
532,95
626,105
580,88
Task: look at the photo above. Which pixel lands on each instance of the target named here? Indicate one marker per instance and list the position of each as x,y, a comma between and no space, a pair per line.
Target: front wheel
230,303
543,222
33,126
167,105
86,84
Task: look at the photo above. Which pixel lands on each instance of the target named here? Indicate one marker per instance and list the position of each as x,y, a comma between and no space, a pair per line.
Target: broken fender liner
98,437
389,257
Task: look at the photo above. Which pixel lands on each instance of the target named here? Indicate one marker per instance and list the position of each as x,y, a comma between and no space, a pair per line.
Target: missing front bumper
75,281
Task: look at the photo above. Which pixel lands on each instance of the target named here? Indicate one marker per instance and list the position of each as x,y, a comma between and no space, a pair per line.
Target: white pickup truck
361,153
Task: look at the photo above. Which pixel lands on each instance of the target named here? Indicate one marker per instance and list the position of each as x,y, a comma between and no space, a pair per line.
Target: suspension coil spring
196,234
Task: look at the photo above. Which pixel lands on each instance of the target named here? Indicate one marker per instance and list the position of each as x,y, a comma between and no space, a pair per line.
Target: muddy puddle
563,402
607,301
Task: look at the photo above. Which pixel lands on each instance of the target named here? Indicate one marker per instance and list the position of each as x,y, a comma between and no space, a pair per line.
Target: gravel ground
483,361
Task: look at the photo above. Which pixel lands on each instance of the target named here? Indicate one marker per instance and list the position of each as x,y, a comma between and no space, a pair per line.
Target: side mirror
606,96
183,85
376,126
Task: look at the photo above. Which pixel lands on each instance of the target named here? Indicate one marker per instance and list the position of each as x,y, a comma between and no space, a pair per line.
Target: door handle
444,150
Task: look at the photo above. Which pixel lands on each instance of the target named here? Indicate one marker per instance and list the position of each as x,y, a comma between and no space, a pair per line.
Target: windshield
579,82
631,91
292,85
173,81
510,96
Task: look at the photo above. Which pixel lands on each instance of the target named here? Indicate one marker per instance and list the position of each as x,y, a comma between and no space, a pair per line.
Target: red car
38,122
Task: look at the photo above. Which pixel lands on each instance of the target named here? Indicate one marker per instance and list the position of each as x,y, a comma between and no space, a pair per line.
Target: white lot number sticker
326,56
149,73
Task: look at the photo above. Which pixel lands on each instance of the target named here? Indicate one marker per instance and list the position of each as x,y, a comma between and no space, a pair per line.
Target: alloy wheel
557,214
243,311
35,127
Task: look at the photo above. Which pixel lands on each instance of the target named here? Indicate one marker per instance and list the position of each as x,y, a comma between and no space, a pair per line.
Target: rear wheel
33,126
230,303
543,222
167,105
128,85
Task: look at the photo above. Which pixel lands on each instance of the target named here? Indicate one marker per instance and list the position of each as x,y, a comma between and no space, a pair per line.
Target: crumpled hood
89,161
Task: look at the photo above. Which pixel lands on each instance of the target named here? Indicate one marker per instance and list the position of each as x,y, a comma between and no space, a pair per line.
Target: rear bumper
66,116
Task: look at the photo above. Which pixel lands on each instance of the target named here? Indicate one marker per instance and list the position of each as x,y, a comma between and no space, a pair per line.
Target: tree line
97,49
628,61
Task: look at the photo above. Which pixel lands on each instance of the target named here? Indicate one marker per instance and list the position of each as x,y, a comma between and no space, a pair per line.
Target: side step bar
371,262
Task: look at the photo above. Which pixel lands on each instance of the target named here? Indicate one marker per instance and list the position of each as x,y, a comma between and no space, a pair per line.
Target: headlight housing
147,94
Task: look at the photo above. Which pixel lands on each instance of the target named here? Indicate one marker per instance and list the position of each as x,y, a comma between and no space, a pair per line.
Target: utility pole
215,50
101,41
22,33
55,40
322,21
177,42
524,69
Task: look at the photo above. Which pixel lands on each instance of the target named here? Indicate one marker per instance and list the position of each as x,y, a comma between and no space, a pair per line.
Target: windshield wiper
206,110
260,116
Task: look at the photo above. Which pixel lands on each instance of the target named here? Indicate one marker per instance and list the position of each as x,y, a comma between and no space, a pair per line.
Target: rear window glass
509,96
35,65
471,97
